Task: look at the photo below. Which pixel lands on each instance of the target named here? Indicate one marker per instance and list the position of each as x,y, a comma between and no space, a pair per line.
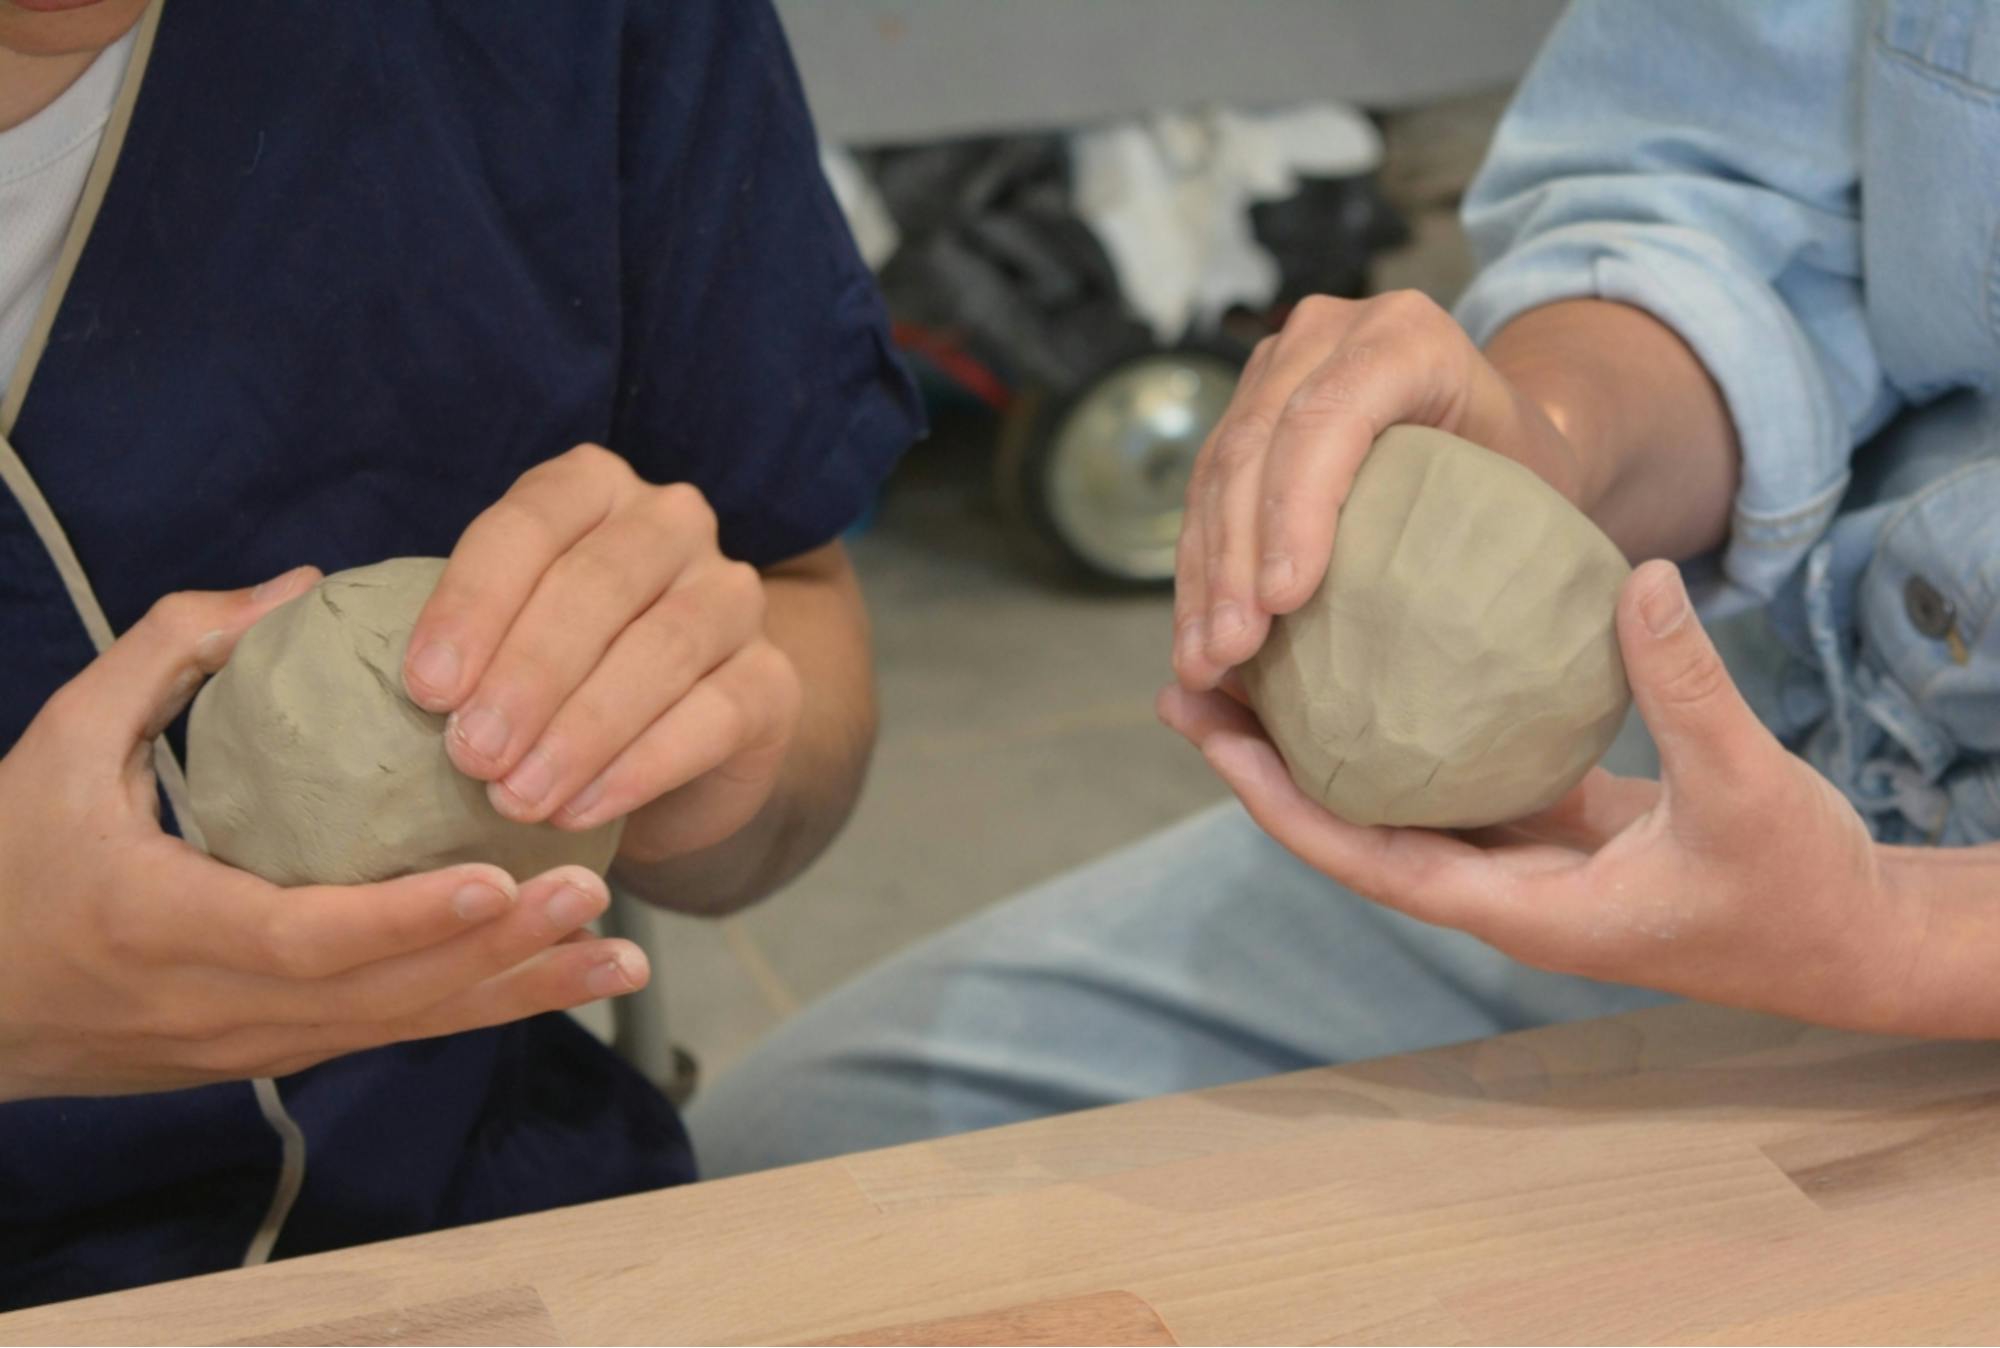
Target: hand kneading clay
1458,666
308,764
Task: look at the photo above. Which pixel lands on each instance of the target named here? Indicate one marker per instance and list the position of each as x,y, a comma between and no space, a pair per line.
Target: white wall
887,70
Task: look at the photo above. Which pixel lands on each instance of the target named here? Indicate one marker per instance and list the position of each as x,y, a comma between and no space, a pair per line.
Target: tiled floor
1018,737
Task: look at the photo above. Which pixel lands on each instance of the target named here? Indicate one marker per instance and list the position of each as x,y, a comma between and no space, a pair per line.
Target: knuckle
1315,311
531,677
288,948
178,612
743,586
1408,307
1242,442
200,1029
675,649
1319,399
589,457
520,523
683,506
124,943
588,725
1696,679
596,572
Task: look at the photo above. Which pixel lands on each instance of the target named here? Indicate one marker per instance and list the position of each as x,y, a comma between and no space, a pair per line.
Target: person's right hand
131,962
1269,483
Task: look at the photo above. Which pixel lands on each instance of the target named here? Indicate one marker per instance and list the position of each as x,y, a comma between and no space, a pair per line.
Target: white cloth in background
1169,197
43,163
868,217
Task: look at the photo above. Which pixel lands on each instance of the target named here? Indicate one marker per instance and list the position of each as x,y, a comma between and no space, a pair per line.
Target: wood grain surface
1676,1175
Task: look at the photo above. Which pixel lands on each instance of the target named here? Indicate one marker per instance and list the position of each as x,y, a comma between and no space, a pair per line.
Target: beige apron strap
13,472
42,517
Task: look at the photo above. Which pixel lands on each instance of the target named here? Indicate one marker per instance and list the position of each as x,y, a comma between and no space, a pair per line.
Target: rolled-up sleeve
1698,160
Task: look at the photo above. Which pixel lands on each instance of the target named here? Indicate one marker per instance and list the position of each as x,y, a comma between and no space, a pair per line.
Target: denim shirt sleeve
1699,161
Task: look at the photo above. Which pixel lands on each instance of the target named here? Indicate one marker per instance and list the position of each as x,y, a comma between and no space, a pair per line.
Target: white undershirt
43,163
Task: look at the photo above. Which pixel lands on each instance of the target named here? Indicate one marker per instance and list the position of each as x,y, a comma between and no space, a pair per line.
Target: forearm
815,615
1948,902
1656,451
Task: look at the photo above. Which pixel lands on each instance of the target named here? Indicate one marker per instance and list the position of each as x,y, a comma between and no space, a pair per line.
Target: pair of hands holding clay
1741,877
598,656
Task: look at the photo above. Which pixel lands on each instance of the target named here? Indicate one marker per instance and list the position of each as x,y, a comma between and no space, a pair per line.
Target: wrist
1656,458
1941,941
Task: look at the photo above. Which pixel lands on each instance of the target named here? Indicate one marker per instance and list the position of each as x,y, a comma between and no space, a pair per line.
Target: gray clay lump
308,764
1458,666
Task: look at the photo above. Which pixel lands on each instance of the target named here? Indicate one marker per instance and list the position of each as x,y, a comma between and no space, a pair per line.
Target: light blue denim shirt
1809,193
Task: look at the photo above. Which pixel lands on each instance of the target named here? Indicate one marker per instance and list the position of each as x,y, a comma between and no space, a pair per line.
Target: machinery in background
1105,321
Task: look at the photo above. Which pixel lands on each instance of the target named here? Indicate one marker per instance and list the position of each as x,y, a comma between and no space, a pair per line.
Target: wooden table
1683,1174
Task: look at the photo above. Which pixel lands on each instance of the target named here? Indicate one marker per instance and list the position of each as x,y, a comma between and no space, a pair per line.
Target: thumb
1705,731
136,688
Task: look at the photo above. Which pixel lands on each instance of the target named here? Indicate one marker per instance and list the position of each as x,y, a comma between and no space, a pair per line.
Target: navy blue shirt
360,265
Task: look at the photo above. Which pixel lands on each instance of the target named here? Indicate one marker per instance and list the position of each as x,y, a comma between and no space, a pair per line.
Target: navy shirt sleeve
756,360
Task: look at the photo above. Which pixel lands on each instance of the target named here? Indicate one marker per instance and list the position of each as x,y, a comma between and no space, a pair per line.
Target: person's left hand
1742,877
598,655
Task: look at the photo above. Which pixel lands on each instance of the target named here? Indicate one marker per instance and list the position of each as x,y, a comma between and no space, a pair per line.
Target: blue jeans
1201,955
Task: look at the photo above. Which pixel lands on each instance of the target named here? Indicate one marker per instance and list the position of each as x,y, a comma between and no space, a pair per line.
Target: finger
566,975
146,678
651,666
1707,735
1190,657
733,727
1230,494
1387,370
497,563
212,914
1599,808
1190,651
1430,876
581,605
1196,716
552,907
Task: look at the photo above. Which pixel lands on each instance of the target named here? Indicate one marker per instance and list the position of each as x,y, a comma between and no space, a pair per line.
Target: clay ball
308,764
1458,665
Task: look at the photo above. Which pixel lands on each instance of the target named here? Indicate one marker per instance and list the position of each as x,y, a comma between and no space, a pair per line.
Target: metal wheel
1111,470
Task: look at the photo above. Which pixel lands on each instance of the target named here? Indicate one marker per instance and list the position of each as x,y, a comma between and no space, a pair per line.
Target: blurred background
1083,214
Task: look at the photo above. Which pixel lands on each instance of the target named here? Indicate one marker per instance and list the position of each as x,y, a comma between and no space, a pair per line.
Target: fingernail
531,779
570,908
483,730
1277,573
1664,606
277,585
479,902
613,978
436,667
583,802
1225,620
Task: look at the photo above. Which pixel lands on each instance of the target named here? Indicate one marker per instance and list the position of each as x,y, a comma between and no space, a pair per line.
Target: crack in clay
1328,788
